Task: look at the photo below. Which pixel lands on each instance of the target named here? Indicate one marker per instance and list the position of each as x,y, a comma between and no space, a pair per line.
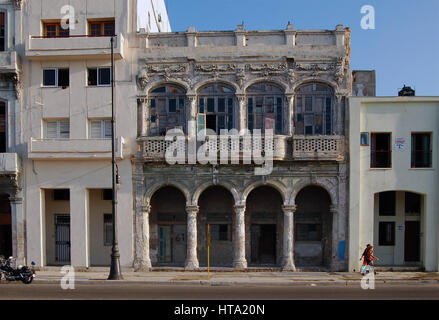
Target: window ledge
423,169
378,169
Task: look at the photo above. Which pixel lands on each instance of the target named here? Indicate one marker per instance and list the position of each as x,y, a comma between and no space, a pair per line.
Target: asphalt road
133,291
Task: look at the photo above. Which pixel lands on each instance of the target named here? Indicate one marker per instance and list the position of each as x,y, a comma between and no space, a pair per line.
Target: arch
305,183
206,82
379,190
204,186
157,84
150,191
258,80
306,81
275,184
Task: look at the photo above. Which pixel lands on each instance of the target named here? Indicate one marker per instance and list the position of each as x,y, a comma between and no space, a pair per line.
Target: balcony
154,148
64,149
9,61
9,163
319,148
73,47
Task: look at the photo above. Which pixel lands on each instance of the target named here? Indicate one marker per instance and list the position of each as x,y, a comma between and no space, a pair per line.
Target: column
144,116
192,110
18,236
338,110
191,230
142,259
334,245
288,241
289,110
239,261
79,230
242,113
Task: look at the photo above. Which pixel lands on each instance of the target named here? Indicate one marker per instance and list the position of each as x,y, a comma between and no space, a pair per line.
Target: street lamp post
115,272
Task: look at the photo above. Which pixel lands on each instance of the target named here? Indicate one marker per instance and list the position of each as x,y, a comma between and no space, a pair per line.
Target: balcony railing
321,148
318,147
154,148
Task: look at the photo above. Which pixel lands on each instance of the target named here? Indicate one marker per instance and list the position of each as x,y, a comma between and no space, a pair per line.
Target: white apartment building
394,181
67,108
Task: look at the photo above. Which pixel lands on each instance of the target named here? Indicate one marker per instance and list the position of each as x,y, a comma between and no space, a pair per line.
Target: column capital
241,97
15,200
191,97
192,209
239,207
289,209
146,208
333,209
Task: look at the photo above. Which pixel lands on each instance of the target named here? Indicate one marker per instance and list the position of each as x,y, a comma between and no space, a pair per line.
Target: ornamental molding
215,68
315,67
18,4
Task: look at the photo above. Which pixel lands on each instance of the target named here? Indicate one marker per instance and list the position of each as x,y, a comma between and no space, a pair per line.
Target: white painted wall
152,15
401,116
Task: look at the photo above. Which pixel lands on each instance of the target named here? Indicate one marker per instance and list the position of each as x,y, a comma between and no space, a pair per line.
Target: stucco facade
402,225
253,218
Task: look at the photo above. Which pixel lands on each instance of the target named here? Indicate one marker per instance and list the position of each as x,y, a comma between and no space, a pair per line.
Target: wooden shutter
64,129
51,129
95,129
107,129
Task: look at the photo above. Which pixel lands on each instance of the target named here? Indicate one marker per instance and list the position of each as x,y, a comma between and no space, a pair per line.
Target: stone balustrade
329,148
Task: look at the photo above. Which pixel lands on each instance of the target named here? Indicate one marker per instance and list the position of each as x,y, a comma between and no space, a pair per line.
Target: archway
264,221
216,209
5,226
168,227
313,228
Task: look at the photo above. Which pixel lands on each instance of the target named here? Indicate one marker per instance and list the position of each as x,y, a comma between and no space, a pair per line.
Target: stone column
289,110
242,112
334,250
288,241
239,261
338,114
18,236
191,255
145,117
192,109
142,260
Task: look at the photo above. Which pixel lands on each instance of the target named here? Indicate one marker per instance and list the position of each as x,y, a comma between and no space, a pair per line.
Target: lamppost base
115,272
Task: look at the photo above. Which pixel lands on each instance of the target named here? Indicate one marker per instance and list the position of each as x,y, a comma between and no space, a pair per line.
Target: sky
403,48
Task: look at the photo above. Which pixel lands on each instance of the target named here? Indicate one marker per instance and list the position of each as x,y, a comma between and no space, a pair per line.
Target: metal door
62,237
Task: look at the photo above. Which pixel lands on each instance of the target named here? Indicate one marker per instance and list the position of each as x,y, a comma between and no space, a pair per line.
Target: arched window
167,109
3,142
314,109
265,107
216,107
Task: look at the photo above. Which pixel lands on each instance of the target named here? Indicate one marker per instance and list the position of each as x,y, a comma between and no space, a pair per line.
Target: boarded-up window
387,203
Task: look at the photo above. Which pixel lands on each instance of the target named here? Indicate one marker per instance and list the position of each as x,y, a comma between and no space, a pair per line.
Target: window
264,107
101,28
412,203
55,30
421,150
61,194
57,129
3,142
107,194
308,232
56,78
108,229
387,201
216,105
167,109
380,151
99,76
386,233
100,129
220,232
2,31
313,109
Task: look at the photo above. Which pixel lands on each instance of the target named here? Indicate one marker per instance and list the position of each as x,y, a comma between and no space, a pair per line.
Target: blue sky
403,48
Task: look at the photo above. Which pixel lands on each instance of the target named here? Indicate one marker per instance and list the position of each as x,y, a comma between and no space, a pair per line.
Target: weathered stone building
294,81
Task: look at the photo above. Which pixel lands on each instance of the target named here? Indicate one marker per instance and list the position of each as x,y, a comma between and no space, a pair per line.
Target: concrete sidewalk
237,278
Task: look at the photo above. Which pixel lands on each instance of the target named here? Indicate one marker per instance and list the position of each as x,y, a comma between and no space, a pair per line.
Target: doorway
62,237
412,241
165,250
263,239
211,122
